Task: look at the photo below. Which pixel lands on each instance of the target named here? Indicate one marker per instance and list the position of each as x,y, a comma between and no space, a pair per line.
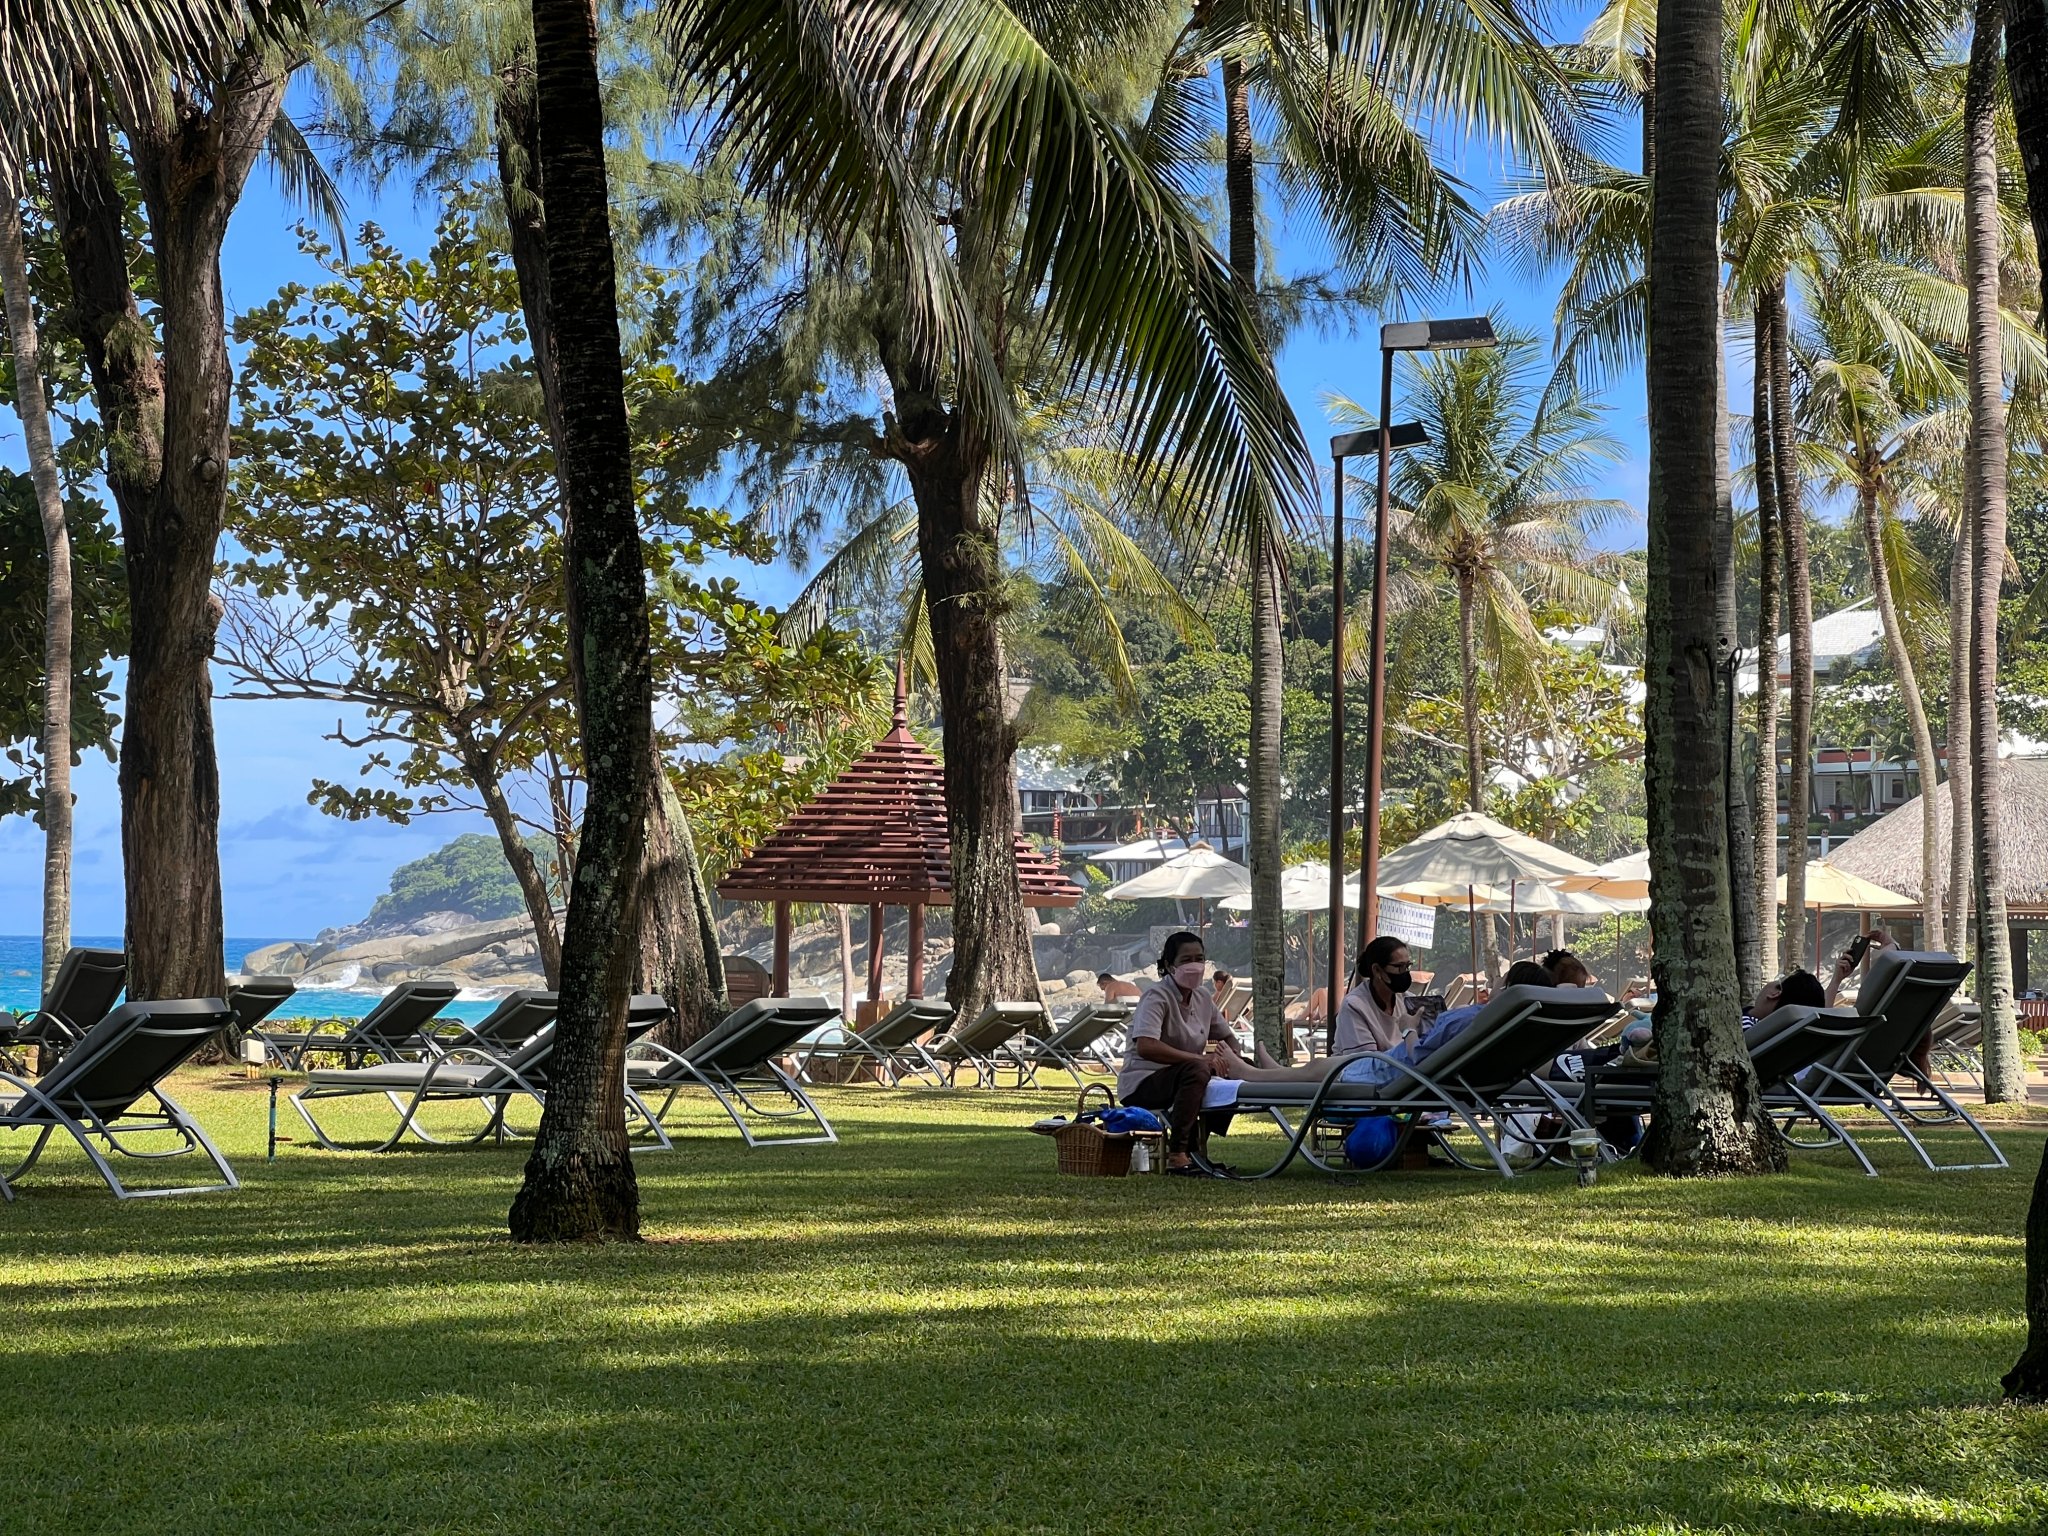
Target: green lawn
923,1329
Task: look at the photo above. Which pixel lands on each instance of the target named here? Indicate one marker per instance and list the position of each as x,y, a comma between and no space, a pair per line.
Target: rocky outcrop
494,954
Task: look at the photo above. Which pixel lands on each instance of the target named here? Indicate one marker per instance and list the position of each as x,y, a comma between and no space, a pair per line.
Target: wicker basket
1086,1150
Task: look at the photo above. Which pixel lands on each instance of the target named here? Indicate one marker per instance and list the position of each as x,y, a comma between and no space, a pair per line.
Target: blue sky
288,871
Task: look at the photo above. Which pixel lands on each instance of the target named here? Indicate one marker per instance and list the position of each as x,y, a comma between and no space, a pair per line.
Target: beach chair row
920,1042
1494,1087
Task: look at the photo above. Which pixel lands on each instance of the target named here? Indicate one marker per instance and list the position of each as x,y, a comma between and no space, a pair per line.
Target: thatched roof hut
1889,851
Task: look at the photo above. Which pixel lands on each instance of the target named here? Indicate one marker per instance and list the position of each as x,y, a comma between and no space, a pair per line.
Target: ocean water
21,981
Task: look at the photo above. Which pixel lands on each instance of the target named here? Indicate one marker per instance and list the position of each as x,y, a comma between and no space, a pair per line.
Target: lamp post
1406,336
1405,434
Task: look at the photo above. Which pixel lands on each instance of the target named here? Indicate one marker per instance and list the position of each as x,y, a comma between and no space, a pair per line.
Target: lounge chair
87,984
1957,1042
395,1029
1474,1079
736,1061
891,1043
1907,990
519,1016
254,1000
1782,1047
980,1044
467,1074
1075,1044
96,1092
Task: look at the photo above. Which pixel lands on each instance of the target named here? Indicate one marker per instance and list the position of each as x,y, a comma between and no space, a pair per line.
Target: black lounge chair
980,1045
97,1092
1476,1080
254,1000
84,991
1077,1044
736,1061
1782,1047
1904,993
396,1029
467,1074
519,1016
891,1043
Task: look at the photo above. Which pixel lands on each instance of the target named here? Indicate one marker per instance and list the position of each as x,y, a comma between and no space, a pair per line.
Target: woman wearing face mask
1376,1013
1165,1065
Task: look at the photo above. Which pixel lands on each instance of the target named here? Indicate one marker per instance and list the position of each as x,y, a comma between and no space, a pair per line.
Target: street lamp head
1403,434
1438,335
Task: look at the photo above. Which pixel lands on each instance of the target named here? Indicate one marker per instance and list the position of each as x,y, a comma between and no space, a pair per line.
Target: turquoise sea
21,981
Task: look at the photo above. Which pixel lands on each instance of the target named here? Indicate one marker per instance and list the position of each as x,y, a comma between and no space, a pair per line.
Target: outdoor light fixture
1346,445
1401,336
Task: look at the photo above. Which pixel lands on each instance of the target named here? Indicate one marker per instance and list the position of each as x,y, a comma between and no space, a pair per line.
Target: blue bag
1372,1141
1125,1118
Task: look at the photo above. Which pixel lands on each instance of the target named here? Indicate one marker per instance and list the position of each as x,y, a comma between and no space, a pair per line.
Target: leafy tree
468,875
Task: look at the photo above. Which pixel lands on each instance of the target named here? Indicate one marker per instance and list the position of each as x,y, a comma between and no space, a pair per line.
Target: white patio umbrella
1303,888
1474,850
1201,874
1625,879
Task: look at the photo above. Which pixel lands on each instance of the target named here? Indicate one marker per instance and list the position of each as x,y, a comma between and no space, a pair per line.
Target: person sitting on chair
1375,1013
1567,969
1167,1066
1116,990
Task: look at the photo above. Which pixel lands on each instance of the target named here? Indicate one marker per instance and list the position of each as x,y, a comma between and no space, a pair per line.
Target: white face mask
1188,974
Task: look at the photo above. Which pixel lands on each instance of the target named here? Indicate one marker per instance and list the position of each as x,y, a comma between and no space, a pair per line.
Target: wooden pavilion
876,836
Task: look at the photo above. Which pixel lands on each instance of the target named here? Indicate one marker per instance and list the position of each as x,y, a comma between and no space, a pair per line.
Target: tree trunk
167,462
1799,629
1739,828
1468,696
2026,70
1962,624
579,1181
679,955
33,406
1267,560
849,993
1709,1114
1770,571
481,771
2005,1070
1916,712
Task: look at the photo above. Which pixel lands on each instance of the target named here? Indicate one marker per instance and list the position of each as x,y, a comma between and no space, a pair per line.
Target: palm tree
1346,137
2005,1071
579,1180
1494,511
40,50
2026,67
1709,1114
868,118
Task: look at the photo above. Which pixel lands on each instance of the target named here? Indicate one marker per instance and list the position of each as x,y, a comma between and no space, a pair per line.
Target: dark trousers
1177,1089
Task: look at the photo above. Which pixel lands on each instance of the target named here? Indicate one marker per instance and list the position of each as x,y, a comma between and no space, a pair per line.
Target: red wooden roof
877,836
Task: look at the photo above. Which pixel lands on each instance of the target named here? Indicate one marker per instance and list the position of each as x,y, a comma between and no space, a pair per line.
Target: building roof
1888,851
877,836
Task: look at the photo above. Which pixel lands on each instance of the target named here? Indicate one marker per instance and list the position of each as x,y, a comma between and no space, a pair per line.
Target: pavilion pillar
915,986
2016,936
782,949
874,954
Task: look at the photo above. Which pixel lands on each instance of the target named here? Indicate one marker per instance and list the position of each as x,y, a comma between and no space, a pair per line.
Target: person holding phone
1377,1011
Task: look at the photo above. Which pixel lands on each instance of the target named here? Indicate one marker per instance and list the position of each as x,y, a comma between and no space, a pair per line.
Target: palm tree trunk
1770,571
1799,628
1740,826
1468,694
679,955
849,995
166,418
1709,1114
2005,1071
1962,624
1263,848
482,771
579,1182
33,406
2026,70
1915,707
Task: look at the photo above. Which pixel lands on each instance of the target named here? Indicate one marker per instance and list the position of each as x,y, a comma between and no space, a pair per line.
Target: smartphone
1428,1006
1858,946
